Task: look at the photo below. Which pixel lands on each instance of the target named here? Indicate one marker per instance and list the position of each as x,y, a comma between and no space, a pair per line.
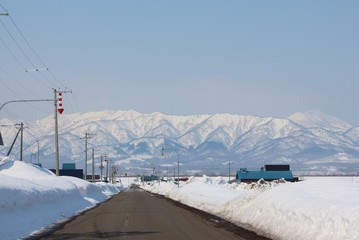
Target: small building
69,169
145,178
68,166
268,173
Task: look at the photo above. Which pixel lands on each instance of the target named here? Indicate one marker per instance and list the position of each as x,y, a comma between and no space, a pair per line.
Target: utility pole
85,167
56,135
12,145
178,165
32,155
114,172
87,136
93,165
38,152
106,160
21,129
1,141
21,139
229,171
60,110
110,168
101,168
57,108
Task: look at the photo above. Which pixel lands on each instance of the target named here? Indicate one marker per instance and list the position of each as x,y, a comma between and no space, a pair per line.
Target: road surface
136,214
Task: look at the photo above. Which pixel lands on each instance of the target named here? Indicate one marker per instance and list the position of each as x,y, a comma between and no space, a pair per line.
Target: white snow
301,138
316,208
32,198
316,119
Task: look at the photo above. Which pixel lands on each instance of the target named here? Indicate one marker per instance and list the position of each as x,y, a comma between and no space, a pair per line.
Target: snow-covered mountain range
311,142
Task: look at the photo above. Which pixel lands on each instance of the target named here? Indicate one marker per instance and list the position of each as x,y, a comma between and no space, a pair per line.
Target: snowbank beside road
317,208
32,198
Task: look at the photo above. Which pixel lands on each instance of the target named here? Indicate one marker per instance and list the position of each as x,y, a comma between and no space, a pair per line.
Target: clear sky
266,58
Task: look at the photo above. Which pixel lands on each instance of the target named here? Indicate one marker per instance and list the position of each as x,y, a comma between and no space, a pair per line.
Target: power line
13,55
19,62
87,136
54,77
37,79
5,13
23,87
9,88
24,53
17,44
12,115
19,83
27,43
34,52
38,70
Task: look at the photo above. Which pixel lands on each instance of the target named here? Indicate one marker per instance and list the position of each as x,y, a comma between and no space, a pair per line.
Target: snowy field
316,208
32,198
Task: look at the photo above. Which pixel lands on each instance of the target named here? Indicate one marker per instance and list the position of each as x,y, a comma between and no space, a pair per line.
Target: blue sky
266,58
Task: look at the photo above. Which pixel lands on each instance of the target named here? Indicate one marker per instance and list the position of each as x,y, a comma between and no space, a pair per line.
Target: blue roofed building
268,173
69,169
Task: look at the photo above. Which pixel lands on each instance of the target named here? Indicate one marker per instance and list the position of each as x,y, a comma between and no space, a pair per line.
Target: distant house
69,166
69,169
145,178
268,173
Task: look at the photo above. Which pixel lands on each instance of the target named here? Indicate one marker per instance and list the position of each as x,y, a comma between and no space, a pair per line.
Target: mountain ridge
134,140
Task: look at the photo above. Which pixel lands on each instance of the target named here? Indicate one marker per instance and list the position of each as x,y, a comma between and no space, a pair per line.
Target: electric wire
13,55
12,115
3,7
19,83
9,88
37,55
23,52
19,62
76,105
33,51
37,70
17,44
27,43
13,92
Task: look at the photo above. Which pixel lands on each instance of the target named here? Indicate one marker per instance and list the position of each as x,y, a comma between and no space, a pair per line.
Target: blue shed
69,169
68,166
145,178
268,173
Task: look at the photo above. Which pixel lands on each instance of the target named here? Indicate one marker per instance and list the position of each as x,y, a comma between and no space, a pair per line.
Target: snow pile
32,198
317,208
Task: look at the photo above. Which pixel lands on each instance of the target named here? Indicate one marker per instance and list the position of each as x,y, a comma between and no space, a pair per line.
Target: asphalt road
136,214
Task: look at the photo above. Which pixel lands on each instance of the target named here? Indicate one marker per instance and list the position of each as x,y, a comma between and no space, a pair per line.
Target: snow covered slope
316,119
318,208
32,198
312,142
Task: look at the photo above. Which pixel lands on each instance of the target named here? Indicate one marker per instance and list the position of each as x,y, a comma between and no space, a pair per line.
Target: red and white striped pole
60,109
